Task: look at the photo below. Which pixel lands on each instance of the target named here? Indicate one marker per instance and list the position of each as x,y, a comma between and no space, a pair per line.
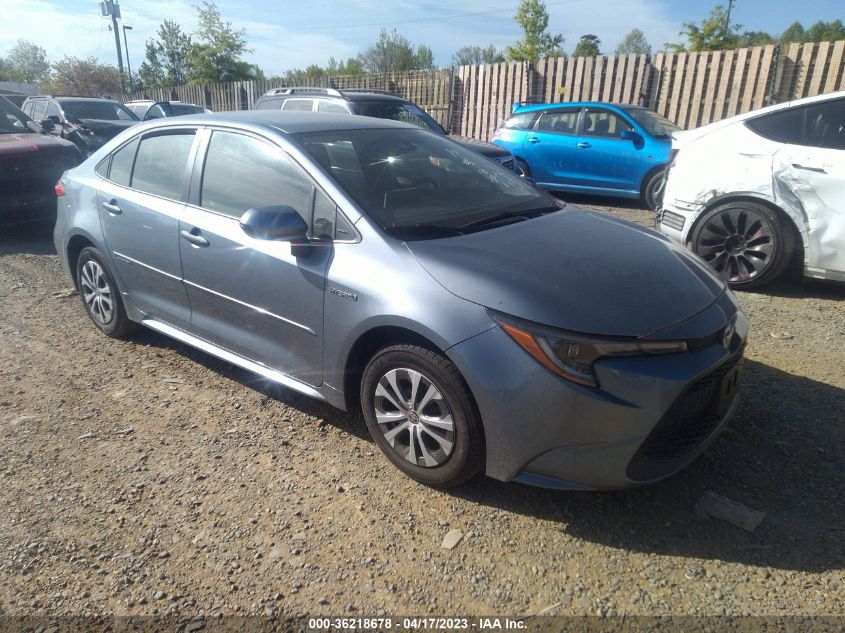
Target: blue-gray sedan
478,323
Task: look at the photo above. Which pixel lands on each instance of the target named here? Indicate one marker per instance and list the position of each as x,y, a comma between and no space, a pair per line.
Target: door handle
194,238
584,145
818,170
533,139
112,208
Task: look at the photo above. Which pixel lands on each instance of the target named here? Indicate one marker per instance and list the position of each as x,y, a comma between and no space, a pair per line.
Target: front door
605,160
140,203
550,148
258,298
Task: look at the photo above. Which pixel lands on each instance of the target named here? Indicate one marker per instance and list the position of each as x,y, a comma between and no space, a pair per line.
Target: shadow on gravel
782,455
797,288
30,239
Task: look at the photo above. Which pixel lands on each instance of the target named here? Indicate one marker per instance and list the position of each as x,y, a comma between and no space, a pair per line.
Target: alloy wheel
96,292
738,243
414,417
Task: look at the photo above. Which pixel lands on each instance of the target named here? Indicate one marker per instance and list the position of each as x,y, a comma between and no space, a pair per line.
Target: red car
31,163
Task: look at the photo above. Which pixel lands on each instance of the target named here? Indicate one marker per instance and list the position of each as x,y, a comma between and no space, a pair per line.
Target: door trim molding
129,260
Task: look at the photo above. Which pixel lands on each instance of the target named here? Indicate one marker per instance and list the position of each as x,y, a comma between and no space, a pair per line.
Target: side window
522,120
160,164
299,104
560,121
331,106
27,109
269,104
325,217
783,126
39,110
53,110
121,164
825,124
604,123
155,112
242,172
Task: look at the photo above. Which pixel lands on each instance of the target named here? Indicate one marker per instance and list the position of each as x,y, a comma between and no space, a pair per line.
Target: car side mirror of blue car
279,222
631,135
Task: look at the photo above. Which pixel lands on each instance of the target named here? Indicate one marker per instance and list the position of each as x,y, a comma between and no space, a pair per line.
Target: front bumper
675,220
542,430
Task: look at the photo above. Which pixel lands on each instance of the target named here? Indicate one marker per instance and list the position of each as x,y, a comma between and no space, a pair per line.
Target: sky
287,34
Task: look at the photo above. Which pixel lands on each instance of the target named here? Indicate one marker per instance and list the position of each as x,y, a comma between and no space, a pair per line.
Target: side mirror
48,124
631,135
280,223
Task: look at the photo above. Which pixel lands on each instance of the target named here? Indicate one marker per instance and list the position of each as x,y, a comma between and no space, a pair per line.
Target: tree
536,41
794,33
166,60
826,31
27,63
84,77
477,55
755,38
713,34
588,46
215,54
393,53
634,43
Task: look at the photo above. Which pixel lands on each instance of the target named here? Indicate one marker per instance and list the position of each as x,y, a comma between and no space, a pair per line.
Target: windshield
12,120
417,185
97,109
398,111
655,124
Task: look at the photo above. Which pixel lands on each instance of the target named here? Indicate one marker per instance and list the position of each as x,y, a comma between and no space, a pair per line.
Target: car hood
28,142
574,270
108,129
482,147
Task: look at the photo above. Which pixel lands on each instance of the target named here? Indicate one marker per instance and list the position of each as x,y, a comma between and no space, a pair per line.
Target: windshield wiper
517,216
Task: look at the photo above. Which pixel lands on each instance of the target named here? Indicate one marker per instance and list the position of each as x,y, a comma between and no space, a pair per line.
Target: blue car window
520,121
604,123
560,121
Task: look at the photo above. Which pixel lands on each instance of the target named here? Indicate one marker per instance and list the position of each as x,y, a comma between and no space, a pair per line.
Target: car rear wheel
653,190
420,413
100,294
744,242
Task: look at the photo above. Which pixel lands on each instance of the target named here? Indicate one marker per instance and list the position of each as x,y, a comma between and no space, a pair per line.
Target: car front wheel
653,190
744,242
420,413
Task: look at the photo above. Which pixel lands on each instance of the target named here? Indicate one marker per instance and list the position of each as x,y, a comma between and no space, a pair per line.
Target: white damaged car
750,192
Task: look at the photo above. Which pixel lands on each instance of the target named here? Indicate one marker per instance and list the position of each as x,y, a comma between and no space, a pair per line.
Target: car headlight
572,356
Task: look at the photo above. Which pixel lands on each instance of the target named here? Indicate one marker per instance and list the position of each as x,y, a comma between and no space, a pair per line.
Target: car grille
673,220
690,420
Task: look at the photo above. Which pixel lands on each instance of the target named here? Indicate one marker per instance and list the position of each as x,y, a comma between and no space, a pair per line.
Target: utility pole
728,15
110,8
128,65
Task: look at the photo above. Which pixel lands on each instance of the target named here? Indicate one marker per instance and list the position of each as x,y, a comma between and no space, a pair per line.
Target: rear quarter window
783,127
269,104
521,121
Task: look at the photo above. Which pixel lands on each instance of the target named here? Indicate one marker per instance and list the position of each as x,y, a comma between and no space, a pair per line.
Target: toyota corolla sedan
478,324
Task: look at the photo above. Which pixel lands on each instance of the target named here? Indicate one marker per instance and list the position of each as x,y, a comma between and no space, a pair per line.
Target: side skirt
231,357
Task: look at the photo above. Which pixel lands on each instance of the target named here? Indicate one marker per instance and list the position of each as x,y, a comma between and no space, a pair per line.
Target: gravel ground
141,477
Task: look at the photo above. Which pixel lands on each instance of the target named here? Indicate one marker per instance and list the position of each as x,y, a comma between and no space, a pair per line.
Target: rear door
812,167
604,159
550,148
140,201
258,298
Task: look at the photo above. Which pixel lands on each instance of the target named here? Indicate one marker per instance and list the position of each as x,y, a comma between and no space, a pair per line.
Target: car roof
284,121
532,107
342,95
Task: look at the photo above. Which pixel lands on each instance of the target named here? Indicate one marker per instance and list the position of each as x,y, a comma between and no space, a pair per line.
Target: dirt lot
140,477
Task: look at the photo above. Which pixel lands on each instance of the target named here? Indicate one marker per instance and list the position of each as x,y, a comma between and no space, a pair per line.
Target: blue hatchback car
602,148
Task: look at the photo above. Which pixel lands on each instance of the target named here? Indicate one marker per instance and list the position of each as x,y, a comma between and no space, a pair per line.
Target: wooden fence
691,89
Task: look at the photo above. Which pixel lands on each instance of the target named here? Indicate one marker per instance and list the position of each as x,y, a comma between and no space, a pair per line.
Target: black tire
523,169
653,190
466,456
747,243
112,322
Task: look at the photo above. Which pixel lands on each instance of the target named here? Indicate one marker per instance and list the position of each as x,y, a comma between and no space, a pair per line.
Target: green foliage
756,38
634,43
821,31
536,41
477,55
393,52
26,63
588,46
166,57
85,77
713,34
215,54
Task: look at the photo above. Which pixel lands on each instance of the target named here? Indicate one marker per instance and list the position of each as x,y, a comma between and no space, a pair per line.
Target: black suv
89,122
31,161
375,103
